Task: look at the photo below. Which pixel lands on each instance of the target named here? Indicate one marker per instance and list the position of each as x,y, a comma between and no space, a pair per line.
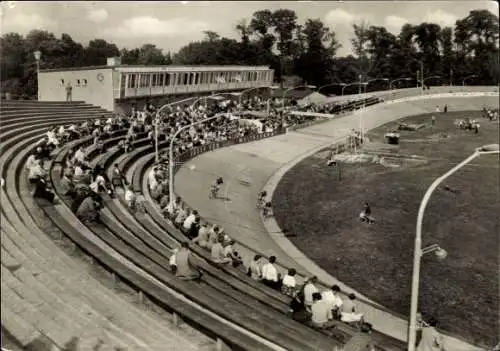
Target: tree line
306,51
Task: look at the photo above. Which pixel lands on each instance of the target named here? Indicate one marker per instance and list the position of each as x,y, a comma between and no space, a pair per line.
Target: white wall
95,92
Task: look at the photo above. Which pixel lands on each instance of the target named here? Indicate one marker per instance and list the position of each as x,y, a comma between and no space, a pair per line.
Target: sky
171,25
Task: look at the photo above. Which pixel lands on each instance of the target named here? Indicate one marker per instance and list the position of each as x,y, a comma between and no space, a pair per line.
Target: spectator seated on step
186,270
214,235
332,297
130,197
117,179
289,283
362,340
217,253
66,184
231,253
348,311
181,216
189,220
81,173
172,208
194,229
321,313
172,261
52,140
298,308
99,184
99,144
202,238
270,275
79,155
255,268
309,289
37,177
88,210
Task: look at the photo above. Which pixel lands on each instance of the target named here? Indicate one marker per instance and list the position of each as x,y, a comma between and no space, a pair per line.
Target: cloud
145,26
97,15
394,23
441,17
23,23
339,17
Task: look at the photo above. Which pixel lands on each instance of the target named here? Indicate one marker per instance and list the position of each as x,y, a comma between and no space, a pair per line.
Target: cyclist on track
214,188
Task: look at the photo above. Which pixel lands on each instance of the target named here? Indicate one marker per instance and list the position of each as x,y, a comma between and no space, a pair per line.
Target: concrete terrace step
44,103
42,111
20,121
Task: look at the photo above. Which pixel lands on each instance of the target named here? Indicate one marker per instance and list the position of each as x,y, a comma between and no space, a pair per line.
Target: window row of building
144,80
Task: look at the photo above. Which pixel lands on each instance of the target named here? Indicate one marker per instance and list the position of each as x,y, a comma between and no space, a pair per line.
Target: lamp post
440,253
431,77
157,120
331,84
38,56
397,80
374,80
471,76
349,84
171,153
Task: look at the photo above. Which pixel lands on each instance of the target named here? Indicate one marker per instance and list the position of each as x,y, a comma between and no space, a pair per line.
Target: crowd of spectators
85,185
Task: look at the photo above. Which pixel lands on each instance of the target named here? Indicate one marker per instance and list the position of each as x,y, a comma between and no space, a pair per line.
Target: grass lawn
462,290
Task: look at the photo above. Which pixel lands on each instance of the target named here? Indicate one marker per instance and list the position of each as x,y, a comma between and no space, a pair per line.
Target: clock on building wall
100,77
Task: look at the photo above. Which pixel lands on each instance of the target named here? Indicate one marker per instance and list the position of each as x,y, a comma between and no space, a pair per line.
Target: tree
211,36
98,50
447,54
427,37
359,44
149,54
381,49
321,46
13,49
284,22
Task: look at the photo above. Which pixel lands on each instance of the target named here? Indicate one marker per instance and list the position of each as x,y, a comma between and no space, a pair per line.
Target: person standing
69,92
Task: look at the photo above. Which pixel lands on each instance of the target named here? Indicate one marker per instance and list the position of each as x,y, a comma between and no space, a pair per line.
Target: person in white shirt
172,261
130,197
30,162
255,268
152,178
331,296
188,222
348,311
270,275
309,290
98,184
79,155
36,171
321,314
217,254
289,284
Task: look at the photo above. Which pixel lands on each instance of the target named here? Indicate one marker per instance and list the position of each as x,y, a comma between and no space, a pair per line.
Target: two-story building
117,85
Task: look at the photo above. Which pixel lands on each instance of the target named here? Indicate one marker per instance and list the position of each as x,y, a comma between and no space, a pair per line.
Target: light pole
397,80
471,76
440,253
171,153
329,85
431,77
294,88
349,84
38,56
157,120
374,80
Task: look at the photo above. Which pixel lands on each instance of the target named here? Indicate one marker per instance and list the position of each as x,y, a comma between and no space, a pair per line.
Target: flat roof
159,68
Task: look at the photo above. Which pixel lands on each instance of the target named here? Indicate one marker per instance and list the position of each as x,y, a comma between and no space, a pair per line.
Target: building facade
115,84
